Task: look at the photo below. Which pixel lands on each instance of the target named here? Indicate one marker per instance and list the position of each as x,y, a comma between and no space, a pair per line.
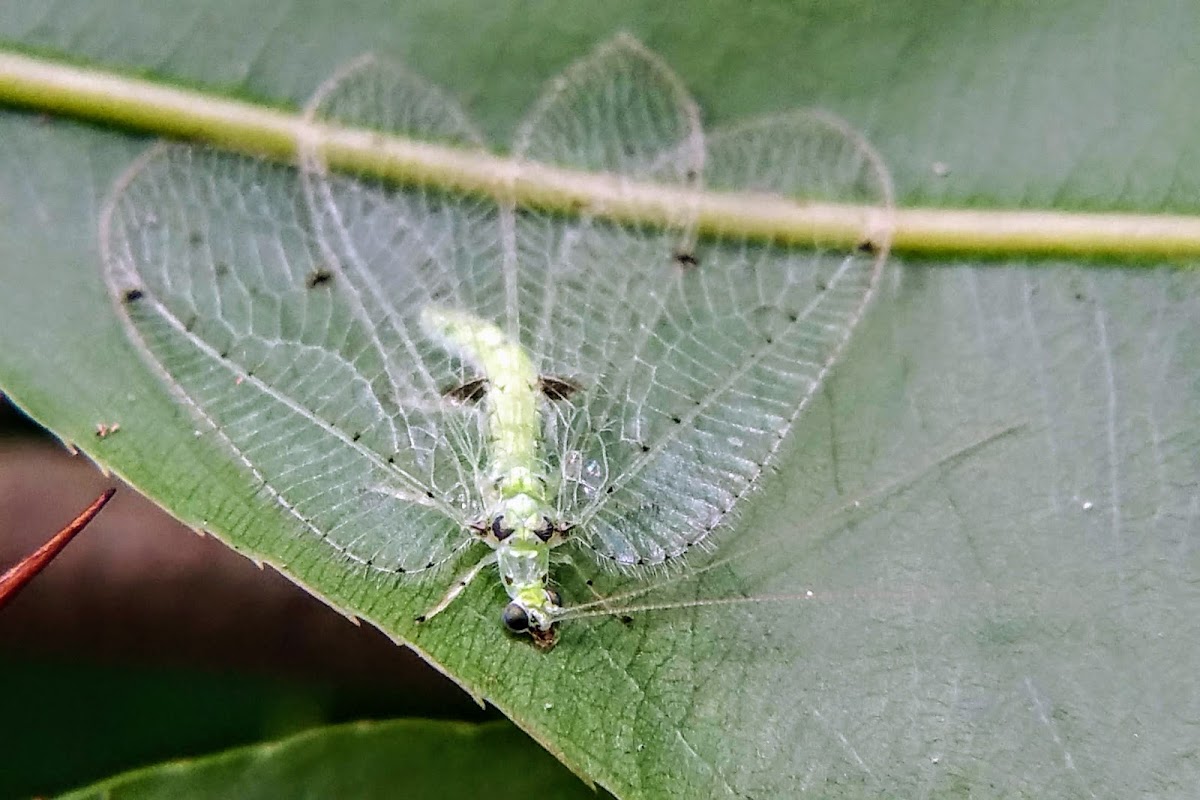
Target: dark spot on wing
195,238
686,259
866,246
222,269
318,277
499,531
469,392
558,388
132,295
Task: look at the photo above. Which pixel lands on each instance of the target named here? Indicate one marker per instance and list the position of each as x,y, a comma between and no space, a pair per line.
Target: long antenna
604,606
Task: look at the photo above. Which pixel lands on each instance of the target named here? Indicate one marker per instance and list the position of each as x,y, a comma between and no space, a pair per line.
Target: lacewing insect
420,378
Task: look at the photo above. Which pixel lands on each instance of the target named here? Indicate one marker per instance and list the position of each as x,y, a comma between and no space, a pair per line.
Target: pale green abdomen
511,404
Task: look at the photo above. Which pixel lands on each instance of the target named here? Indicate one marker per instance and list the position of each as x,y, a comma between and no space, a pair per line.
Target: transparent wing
588,287
397,250
285,322
591,290
694,360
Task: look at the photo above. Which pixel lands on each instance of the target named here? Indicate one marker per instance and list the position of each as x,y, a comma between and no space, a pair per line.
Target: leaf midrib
124,101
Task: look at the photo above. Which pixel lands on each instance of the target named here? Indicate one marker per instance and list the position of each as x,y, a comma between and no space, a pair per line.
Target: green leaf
1018,620
363,760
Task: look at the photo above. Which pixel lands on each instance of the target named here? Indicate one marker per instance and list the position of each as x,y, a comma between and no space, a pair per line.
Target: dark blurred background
144,641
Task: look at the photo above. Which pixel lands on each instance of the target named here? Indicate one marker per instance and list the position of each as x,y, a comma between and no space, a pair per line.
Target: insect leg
457,587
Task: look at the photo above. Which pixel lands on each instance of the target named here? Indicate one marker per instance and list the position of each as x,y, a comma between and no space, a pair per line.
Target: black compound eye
554,596
498,530
546,531
515,618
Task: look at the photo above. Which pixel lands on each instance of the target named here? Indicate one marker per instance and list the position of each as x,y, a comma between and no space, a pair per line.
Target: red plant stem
13,581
